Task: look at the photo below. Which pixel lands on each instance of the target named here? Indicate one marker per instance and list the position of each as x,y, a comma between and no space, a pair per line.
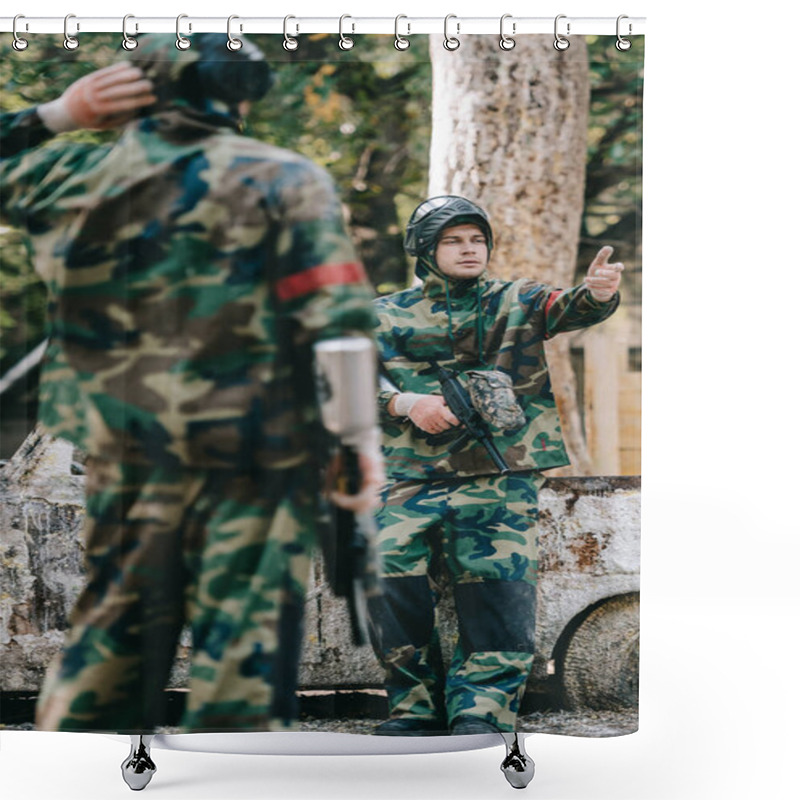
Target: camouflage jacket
190,269
416,328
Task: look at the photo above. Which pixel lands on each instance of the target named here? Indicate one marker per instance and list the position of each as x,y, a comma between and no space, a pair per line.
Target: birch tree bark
509,132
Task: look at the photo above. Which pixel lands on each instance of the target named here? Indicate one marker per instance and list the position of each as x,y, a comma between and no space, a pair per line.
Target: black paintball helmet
431,217
207,70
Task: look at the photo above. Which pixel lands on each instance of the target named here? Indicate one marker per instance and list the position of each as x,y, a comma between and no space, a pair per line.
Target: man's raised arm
102,99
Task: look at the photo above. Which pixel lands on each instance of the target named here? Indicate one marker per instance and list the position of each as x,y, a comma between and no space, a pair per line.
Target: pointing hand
602,278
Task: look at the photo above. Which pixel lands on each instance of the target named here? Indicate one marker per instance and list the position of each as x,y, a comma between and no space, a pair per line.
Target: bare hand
602,278
103,99
432,415
372,479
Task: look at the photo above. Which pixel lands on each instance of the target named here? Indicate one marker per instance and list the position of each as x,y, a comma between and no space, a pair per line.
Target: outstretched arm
588,303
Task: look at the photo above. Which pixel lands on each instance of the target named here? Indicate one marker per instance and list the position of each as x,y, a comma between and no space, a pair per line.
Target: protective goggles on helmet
433,215
423,209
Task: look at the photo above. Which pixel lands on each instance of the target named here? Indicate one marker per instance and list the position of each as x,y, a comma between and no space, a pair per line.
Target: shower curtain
170,557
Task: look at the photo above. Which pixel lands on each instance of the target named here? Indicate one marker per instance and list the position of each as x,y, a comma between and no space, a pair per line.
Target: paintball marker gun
475,427
345,372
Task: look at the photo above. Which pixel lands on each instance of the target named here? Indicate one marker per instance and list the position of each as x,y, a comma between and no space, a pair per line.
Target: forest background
365,116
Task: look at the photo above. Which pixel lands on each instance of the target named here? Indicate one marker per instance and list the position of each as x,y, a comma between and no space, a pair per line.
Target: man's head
204,74
451,234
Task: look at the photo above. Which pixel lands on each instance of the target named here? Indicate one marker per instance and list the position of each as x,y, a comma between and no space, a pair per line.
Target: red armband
315,278
551,298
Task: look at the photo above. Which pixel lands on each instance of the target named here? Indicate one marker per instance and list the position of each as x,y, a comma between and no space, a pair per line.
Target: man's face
462,251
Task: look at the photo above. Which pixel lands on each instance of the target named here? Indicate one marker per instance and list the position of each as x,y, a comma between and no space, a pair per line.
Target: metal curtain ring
19,44
451,42
128,42
506,41
289,43
181,42
401,43
623,44
70,42
233,44
561,42
345,42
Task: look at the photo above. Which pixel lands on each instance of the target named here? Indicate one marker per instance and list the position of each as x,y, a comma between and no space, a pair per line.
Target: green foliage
613,195
22,309
364,115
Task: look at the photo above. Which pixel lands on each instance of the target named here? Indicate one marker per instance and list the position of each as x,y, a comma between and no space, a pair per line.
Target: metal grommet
128,42
181,42
233,44
289,43
70,42
345,42
623,44
19,44
400,42
561,42
506,41
451,42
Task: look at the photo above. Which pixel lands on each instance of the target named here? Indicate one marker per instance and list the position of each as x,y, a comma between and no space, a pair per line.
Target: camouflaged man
191,272
448,506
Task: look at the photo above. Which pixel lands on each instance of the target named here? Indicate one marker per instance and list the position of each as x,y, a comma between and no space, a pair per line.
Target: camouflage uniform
190,271
454,511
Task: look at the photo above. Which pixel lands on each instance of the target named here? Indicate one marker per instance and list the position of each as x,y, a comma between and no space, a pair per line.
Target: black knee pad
403,614
496,615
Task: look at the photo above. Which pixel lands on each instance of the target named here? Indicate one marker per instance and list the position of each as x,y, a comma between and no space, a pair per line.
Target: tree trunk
509,132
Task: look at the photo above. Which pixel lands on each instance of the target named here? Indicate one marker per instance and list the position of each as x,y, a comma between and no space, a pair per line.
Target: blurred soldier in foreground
192,271
469,422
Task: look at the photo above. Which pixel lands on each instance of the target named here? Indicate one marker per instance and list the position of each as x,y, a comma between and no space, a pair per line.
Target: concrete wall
589,544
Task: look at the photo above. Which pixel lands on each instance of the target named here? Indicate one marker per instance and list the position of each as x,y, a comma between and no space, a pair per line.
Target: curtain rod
299,25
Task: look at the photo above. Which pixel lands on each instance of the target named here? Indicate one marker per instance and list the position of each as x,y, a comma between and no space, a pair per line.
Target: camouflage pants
481,532
227,552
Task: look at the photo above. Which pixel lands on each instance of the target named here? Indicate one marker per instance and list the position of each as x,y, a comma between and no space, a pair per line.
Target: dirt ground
569,723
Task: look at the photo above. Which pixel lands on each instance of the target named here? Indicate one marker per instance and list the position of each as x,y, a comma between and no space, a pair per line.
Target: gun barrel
344,539
496,456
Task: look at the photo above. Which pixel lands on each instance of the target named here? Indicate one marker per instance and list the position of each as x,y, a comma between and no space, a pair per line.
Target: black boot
411,726
463,726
